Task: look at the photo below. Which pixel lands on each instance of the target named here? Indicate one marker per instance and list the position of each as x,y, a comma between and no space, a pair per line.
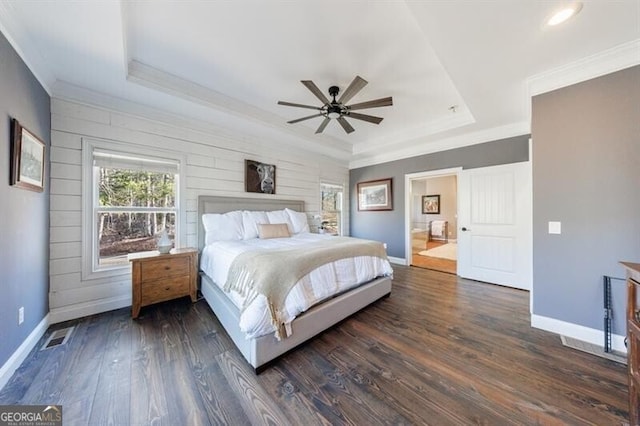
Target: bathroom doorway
433,220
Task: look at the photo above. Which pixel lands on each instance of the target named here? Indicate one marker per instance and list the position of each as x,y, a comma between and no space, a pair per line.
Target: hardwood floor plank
185,405
461,344
403,384
148,392
81,372
291,397
112,401
350,400
440,350
23,377
202,341
257,403
223,406
48,384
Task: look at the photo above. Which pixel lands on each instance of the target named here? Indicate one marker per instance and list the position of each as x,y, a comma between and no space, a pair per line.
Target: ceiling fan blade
298,105
365,117
372,104
314,89
356,85
304,118
345,125
323,125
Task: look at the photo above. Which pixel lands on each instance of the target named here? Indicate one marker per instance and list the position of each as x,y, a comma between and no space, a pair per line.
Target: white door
494,225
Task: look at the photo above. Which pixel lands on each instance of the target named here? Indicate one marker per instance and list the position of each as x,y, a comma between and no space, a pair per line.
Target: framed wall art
431,204
27,159
259,177
375,195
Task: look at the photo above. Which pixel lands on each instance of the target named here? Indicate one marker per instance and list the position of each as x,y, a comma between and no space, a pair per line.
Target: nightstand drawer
165,289
164,267
160,277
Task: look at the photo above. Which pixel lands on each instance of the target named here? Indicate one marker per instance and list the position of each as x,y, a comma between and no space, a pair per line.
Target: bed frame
259,352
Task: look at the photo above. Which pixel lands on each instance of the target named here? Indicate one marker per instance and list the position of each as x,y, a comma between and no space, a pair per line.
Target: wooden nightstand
160,277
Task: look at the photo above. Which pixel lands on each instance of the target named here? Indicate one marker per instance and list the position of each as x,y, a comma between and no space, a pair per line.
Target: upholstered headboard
213,204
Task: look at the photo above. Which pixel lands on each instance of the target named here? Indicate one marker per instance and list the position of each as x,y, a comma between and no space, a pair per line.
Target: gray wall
24,215
388,226
586,174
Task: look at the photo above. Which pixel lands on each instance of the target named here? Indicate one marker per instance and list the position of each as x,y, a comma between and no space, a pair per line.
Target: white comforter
320,284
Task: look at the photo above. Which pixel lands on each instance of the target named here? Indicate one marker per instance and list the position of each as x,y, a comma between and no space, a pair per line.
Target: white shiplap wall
215,166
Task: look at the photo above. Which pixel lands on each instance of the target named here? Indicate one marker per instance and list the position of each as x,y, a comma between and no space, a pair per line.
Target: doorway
433,220
493,222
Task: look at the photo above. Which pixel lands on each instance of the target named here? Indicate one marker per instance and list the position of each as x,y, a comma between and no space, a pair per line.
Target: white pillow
298,221
280,216
223,227
250,221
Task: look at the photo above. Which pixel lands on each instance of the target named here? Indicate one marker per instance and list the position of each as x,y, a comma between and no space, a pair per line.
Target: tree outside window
135,200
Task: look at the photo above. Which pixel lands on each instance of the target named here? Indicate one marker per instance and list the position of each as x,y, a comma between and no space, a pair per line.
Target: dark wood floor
441,351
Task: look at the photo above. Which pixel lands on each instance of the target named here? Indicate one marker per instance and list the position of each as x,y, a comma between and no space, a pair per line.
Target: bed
260,349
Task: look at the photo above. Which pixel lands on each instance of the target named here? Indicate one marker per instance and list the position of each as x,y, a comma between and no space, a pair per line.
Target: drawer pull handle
166,268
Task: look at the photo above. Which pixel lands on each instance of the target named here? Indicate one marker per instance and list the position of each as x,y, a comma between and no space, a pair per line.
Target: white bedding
320,284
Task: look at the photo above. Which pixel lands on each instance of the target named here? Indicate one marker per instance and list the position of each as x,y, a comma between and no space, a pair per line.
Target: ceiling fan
337,109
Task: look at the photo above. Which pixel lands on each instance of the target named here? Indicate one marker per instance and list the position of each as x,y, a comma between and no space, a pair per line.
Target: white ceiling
227,63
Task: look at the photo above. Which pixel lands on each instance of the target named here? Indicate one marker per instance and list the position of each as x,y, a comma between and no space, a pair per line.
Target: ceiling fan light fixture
337,108
333,114
564,14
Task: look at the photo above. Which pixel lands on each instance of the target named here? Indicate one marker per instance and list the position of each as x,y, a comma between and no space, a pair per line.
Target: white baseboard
80,310
397,260
585,334
21,353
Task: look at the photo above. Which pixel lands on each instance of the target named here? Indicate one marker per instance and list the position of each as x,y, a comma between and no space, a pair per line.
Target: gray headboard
213,204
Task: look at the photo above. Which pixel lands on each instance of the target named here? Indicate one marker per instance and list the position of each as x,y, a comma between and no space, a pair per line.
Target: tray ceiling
228,63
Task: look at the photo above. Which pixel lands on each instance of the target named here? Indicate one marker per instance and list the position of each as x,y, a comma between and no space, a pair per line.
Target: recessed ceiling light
565,13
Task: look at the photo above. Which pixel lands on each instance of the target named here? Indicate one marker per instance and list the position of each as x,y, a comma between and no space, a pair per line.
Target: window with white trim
134,198
331,204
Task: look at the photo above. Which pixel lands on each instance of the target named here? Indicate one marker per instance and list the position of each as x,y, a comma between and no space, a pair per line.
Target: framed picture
259,177
375,195
27,159
431,204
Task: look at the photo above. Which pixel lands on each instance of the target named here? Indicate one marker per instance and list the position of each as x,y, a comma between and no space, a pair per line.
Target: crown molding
459,119
72,93
162,81
421,147
615,59
23,44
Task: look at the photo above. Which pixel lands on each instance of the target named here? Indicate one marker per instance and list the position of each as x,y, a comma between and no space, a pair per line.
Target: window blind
132,162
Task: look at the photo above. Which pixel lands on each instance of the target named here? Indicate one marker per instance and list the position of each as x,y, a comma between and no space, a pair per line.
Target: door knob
464,228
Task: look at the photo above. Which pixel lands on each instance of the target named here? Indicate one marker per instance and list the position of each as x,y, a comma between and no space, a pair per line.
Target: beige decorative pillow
273,230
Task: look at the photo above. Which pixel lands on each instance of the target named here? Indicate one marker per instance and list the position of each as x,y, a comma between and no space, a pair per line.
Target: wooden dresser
633,340
160,277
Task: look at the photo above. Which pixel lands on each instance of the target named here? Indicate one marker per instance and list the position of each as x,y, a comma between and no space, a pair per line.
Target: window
331,202
134,198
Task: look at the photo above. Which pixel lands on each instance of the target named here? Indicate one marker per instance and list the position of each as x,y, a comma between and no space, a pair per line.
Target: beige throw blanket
274,273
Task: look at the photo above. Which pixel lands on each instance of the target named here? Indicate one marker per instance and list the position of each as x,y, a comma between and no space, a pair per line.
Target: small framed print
431,204
259,177
27,159
375,195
